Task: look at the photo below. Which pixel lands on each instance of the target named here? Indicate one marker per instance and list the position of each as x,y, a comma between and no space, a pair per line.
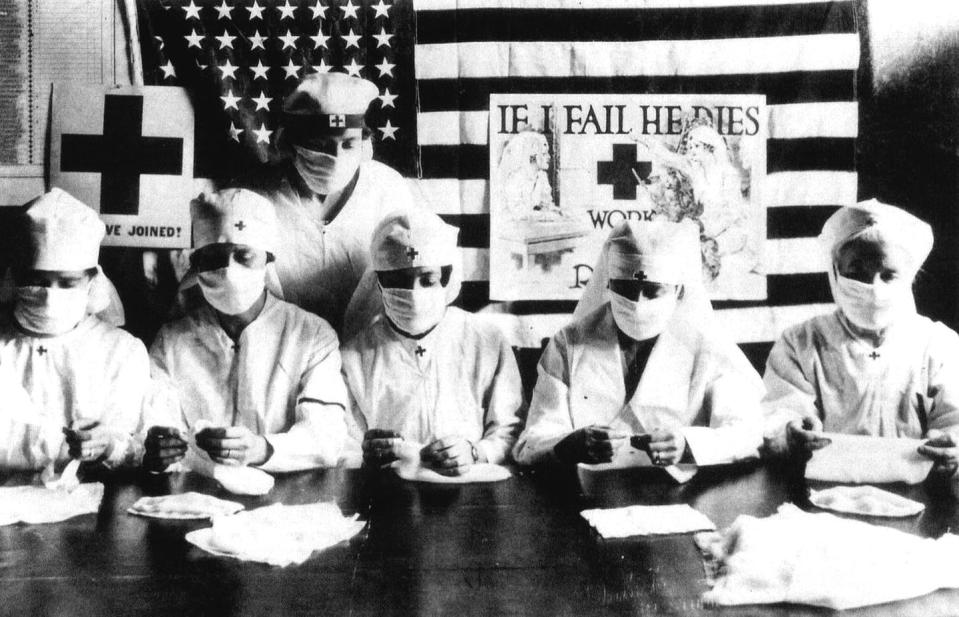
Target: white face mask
872,306
325,173
643,319
51,310
234,289
414,311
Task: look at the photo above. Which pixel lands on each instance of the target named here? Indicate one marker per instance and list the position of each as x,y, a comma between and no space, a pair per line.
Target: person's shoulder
110,335
586,328
380,171
473,327
941,338
819,329
295,317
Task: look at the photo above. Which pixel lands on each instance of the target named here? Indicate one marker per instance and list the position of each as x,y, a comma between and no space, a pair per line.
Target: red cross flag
127,152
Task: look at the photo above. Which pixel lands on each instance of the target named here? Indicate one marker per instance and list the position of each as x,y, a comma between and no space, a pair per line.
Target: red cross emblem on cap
640,276
337,121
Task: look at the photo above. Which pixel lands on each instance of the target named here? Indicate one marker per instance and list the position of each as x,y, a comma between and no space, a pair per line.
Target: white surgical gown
319,262
902,388
705,388
281,380
460,380
94,373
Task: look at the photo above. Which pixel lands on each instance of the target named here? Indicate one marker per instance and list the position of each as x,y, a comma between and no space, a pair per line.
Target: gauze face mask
325,173
234,289
871,306
645,318
50,310
414,311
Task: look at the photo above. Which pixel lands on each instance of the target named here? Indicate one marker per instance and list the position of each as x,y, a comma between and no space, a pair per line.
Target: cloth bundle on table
864,500
278,535
823,560
190,505
647,520
860,459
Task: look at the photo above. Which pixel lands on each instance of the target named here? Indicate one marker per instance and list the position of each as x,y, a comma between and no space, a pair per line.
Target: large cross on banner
623,171
121,155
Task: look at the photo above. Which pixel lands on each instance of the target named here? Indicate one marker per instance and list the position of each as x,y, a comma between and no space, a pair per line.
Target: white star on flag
352,39
319,40
228,70
256,11
230,100
259,71
168,70
382,10
286,10
349,10
262,101
385,68
383,38
387,98
389,131
235,132
289,40
256,40
224,10
319,11
225,40
193,40
263,134
322,67
353,68
291,70
191,11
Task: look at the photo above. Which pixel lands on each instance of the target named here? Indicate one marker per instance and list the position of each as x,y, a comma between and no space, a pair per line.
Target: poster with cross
128,153
566,169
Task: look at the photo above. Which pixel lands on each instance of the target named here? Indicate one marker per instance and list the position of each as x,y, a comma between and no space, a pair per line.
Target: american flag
448,56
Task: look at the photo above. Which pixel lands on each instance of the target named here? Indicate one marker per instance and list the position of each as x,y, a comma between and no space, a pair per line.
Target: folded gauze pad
865,500
184,506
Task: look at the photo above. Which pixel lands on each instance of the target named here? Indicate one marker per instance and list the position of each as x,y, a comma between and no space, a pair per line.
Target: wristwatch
473,451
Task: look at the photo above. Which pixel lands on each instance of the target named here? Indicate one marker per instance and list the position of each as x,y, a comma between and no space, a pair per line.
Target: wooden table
514,548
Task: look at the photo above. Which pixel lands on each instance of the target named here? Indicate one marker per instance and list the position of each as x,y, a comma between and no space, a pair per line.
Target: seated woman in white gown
874,366
643,357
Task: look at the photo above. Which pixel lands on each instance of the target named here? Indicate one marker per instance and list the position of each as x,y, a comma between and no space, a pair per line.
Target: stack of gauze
824,560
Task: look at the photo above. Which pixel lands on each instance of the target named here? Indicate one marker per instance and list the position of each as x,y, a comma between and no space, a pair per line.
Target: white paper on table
824,560
278,535
647,520
628,457
35,505
865,500
861,459
184,506
237,479
410,467
478,472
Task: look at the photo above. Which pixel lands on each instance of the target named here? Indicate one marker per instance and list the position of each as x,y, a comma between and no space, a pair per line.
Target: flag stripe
744,325
583,5
441,128
796,221
820,52
780,190
472,161
785,223
780,88
782,289
484,24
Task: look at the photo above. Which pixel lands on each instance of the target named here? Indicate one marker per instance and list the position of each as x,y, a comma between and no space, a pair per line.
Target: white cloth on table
629,457
459,380
865,500
189,505
93,373
279,535
34,505
646,520
860,459
281,380
479,472
825,560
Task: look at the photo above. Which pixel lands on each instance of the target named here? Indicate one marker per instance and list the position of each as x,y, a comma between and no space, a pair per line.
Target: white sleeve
549,418
504,408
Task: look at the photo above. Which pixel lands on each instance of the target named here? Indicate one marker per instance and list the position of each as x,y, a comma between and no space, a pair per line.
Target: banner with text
566,169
